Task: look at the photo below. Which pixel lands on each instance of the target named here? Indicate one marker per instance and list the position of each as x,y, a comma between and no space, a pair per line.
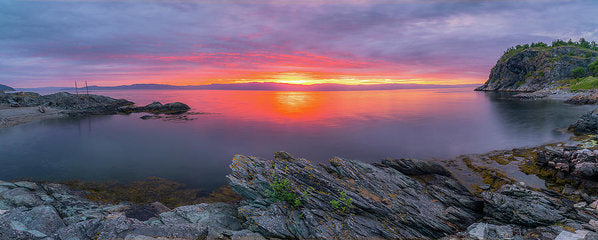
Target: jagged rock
215,215
373,201
580,205
53,211
489,231
39,222
414,167
578,166
523,206
584,98
577,235
20,197
588,123
536,68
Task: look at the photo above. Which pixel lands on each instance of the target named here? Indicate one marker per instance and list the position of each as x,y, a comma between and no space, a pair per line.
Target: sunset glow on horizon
110,43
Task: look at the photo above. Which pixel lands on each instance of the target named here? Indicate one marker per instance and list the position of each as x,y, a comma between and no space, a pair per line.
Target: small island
23,107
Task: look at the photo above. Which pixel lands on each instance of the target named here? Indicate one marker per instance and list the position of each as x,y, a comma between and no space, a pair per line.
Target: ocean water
361,125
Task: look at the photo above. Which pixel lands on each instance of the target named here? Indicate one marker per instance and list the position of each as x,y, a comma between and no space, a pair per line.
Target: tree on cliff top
578,72
593,67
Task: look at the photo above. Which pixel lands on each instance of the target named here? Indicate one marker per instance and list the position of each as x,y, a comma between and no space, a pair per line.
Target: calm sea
362,125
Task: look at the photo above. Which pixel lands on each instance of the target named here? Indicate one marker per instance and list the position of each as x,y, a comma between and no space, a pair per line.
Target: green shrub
578,72
283,191
584,83
588,54
343,204
593,67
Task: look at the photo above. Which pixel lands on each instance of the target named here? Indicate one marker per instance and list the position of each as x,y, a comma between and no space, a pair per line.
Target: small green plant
578,72
528,75
283,191
343,204
588,54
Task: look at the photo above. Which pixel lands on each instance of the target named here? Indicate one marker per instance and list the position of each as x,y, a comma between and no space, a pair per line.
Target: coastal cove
422,123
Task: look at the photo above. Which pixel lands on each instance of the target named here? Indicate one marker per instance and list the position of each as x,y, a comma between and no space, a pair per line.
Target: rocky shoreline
23,107
292,198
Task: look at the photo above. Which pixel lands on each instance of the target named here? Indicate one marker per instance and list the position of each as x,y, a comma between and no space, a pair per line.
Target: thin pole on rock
76,89
87,88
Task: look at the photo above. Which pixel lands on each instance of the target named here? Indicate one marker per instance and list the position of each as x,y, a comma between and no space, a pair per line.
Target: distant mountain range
5,88
263,86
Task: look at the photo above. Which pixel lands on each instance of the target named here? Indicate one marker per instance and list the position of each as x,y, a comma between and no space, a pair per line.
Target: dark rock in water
535,69
146,117
157,108
588,123
294,198
584,98
523,206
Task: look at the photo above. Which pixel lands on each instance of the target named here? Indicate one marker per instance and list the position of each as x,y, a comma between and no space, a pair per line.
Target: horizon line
273,83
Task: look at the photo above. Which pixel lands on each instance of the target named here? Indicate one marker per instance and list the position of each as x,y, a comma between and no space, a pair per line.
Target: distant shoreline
258,87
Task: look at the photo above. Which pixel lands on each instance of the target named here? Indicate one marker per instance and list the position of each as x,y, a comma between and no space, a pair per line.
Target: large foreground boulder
294,198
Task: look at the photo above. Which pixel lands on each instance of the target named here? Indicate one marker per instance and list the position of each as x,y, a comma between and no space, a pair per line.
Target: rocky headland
22,107
562,70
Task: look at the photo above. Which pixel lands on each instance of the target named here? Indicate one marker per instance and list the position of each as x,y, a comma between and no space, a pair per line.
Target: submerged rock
293,198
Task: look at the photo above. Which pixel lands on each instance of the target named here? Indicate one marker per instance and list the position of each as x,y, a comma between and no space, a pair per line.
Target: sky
186,42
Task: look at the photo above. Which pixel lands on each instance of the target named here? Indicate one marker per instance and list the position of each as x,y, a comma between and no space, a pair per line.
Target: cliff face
537,68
